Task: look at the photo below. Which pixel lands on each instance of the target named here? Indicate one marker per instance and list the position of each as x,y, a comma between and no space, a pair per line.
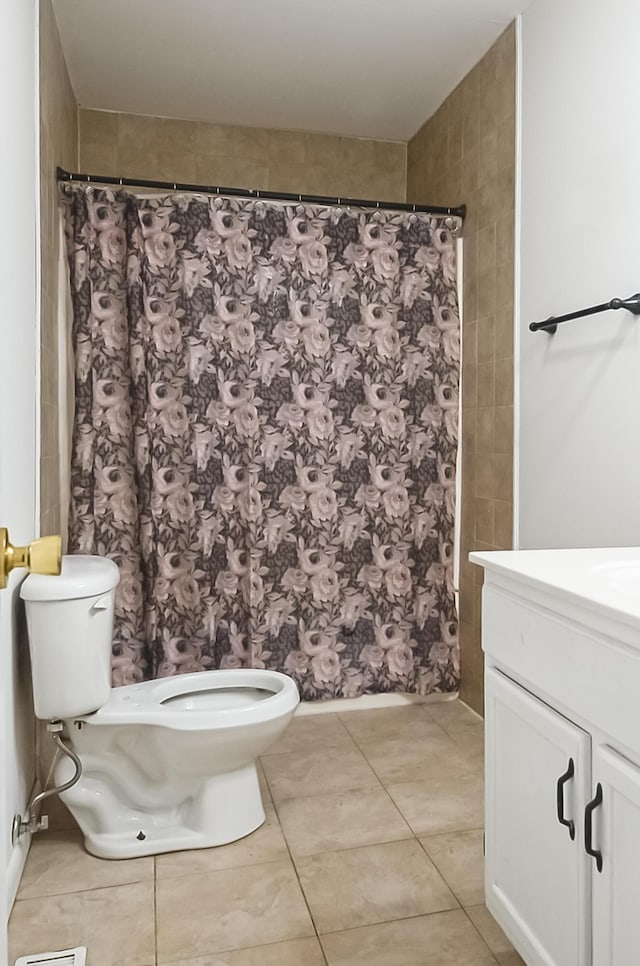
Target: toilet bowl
167,764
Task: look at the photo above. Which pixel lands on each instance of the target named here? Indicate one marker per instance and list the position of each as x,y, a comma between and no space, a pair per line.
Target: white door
616,835
18,402
537,874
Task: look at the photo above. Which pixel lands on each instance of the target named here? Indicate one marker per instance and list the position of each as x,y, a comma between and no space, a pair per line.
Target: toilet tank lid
82,576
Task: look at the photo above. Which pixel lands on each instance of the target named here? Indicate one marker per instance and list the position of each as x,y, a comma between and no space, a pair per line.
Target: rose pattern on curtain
265,436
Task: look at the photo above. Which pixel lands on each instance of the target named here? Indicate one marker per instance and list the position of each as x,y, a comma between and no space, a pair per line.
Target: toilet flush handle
101,604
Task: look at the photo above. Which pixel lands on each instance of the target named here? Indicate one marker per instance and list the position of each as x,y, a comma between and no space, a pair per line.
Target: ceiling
366,68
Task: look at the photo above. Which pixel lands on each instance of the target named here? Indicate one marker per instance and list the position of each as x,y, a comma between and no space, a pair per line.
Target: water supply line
32,821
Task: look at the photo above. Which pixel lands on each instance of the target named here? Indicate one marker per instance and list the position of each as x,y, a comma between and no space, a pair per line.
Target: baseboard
392,699
18,857
17,860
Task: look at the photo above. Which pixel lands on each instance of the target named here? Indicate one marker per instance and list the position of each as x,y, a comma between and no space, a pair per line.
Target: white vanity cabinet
616,891
562,726
536,872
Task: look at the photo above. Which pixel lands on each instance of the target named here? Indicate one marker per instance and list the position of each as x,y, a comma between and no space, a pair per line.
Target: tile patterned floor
371,854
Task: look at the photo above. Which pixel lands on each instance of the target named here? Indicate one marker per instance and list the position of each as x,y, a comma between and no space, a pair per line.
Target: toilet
167,764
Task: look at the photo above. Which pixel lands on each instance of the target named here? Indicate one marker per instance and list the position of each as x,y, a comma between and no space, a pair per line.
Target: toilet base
221,810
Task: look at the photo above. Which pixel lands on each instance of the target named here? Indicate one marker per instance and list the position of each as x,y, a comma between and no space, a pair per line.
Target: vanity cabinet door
616,835
537,875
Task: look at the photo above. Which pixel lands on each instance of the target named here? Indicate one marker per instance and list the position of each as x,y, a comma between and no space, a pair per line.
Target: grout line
464,909
95,888
300,886
432,859
354,848
386,922
291,859
155,909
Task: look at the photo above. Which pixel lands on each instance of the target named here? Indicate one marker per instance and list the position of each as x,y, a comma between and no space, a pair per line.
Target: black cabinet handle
568,775
588,827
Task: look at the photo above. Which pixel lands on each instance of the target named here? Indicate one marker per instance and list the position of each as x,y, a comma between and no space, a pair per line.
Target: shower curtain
265,436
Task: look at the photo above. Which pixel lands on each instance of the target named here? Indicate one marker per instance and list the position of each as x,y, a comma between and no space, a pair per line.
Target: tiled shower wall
58,146
163,149
466,153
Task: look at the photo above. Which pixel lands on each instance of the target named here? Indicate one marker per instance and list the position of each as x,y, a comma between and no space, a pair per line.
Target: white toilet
167,764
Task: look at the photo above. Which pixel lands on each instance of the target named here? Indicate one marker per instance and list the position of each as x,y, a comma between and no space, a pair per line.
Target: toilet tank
70,627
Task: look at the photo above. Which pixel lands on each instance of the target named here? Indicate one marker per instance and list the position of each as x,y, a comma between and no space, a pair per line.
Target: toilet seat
200,701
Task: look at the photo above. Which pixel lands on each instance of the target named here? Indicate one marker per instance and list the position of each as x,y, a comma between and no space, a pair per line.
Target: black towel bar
632,304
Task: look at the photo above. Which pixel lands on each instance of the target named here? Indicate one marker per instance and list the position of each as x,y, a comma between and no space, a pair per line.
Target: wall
580,389
466,153
58,146
162,149
18,454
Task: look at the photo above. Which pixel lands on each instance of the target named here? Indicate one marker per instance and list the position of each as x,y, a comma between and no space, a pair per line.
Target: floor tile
381,723
58,863
313,731
229,909
447,803
396,759
341,820
510,959
459,859
489,929
264,786
454,715
314,772
293,953
444,939
377,883
471,739
266,844
115,924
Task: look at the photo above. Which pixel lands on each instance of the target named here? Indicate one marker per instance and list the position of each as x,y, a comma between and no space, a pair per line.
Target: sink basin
623,577
603,580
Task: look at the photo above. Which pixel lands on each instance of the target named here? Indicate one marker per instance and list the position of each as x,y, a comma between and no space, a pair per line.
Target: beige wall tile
213,139
484,520
503,525
225,156
466,152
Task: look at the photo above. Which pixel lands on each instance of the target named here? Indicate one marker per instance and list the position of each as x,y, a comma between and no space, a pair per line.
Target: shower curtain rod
456,212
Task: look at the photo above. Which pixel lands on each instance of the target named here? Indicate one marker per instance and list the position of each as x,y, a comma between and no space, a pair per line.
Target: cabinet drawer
592,680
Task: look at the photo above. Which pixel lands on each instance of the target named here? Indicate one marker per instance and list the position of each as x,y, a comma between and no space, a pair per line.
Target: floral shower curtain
265,436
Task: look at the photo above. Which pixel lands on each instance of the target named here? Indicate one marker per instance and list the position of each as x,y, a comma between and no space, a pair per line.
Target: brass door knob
43,556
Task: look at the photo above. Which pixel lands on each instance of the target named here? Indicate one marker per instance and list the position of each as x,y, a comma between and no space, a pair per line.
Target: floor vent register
64,957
